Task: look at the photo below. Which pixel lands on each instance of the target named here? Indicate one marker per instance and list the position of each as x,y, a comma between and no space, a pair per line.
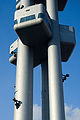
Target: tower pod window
15,22
31,17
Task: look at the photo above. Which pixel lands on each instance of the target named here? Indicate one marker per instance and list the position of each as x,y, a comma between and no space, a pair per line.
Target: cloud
70,112
36,112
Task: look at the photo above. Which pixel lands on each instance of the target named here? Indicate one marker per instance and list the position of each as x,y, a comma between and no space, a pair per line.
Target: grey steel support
23,109
56,100
45,90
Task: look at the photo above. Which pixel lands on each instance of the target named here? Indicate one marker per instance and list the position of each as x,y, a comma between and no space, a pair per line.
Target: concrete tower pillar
45,90
24,79
56,100
23,109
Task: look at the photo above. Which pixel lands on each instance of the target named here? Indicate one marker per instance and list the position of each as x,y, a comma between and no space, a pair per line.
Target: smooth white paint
56,100
24,83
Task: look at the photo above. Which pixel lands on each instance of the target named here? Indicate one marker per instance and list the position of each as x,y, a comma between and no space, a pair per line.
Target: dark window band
15,22
31,17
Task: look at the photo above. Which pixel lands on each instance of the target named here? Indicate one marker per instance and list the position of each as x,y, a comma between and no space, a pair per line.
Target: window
31,17
15,22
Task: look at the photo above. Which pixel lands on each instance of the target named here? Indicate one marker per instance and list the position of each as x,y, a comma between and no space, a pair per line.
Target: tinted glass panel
15,22
31,17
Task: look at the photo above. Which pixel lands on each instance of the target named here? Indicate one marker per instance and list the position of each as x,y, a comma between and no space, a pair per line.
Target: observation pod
13,52
32,25
67,41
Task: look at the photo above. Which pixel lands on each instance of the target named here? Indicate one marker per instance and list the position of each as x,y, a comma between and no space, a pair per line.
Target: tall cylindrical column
23,109
56,100
45,90
25,3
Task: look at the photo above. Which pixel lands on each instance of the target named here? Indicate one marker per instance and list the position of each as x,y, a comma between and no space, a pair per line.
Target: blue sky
70,16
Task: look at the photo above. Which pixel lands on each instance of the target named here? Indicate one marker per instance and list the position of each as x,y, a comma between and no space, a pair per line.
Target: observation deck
67,43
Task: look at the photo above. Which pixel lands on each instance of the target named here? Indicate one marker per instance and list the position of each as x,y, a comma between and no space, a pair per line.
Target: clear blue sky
70,16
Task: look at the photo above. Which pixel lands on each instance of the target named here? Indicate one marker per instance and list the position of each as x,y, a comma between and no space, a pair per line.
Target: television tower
41,40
